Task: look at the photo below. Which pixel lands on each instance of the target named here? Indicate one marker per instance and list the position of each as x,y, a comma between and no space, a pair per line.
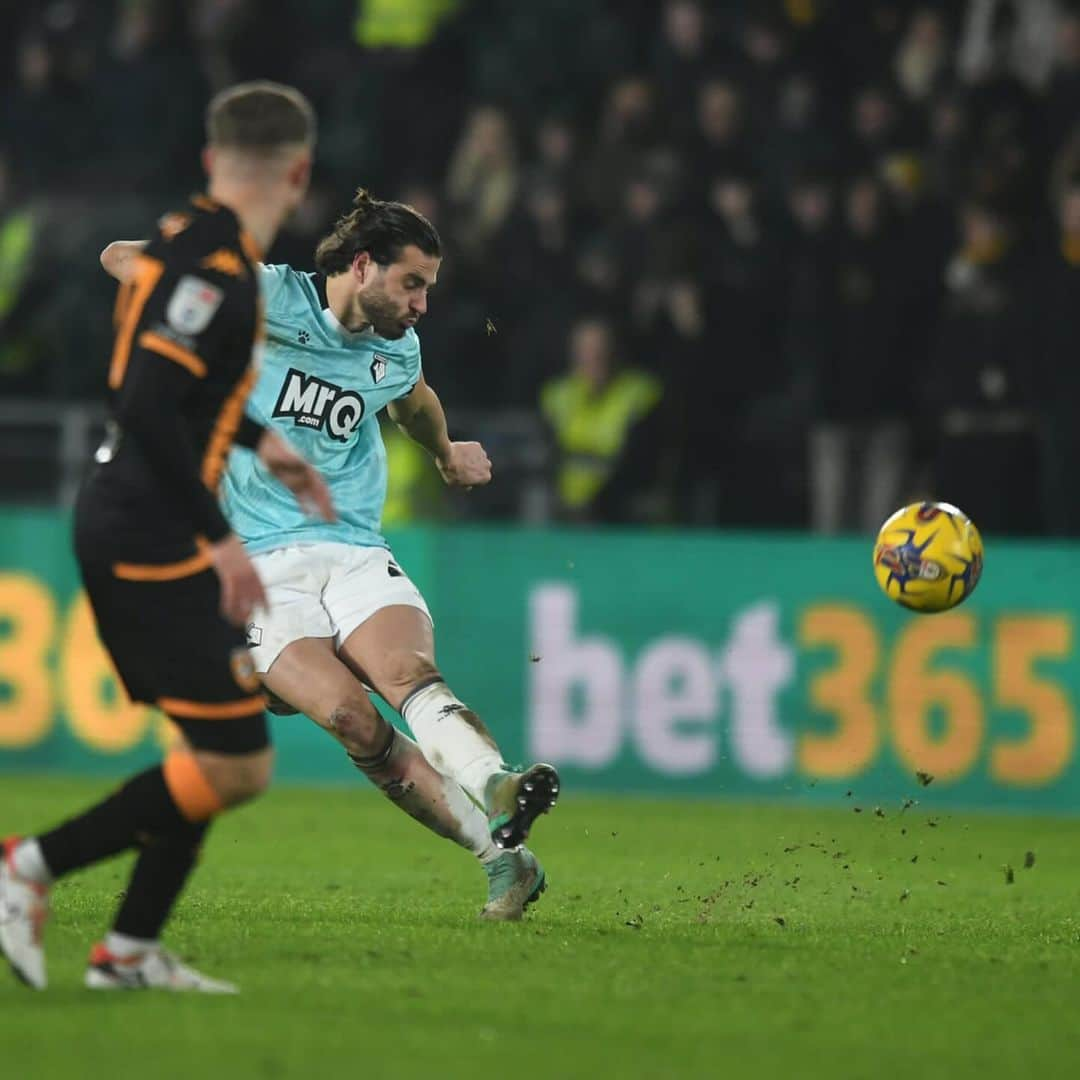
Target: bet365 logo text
828,692
311,402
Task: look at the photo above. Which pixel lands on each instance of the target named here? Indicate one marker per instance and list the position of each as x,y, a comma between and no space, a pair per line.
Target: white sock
29,863
475,834
123,946
453,738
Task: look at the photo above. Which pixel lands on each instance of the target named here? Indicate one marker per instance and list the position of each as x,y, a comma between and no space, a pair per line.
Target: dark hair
260,117
382,229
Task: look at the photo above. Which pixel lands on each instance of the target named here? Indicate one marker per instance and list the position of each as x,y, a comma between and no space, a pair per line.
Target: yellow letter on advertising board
842,691
1046,750
914,691
27,620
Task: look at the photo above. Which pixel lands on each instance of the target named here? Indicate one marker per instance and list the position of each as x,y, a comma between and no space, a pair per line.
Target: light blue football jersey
322,387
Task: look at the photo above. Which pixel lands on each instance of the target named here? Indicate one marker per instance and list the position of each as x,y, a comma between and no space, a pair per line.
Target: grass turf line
678,939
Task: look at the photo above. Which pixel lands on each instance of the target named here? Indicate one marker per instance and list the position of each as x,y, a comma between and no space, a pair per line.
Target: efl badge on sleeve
192,305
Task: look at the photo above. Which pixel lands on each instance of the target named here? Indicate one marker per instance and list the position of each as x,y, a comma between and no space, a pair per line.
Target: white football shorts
323,590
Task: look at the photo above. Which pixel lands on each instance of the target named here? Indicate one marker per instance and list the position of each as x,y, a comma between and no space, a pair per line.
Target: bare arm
420,416
119,258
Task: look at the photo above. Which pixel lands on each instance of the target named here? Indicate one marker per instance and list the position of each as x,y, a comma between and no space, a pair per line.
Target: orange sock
193,794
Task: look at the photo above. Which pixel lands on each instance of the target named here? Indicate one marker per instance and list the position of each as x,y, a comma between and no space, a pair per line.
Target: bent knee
358,727
401,671
238,778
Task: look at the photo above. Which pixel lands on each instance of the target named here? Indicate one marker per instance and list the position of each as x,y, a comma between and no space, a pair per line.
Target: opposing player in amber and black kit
170,585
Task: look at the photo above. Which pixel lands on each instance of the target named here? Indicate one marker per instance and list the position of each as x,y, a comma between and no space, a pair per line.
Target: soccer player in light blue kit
342,345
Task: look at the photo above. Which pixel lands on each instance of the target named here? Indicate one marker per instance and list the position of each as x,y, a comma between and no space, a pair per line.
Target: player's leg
292,649
209,688
308,675
142,807
393,650
166,860
204,783
163,811
183,655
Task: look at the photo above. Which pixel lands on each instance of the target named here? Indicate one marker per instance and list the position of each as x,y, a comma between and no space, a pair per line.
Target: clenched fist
465,464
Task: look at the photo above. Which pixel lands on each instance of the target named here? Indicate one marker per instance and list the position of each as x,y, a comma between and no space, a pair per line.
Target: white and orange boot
24,910
153,968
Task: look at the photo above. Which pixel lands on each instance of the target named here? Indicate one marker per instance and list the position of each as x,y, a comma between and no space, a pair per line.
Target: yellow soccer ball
928,557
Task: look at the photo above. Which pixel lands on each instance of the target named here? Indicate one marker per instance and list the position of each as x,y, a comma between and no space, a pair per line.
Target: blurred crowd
769,263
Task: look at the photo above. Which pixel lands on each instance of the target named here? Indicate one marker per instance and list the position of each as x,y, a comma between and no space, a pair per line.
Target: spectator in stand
799,137
555,154
1054,325
415,492
740,270
985,456
922,242
922,60
776,423
149,101
24,293
858,439
638,234
720,143
48,119
652,243
763,43
754,406
682,59
628,130
1004,116
536,248
949,146
598,279
877,127
738,265
482,180
600,415
1063,93
809,261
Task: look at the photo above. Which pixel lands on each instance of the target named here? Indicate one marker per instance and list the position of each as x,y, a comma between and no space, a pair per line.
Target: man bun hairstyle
260,118
382,229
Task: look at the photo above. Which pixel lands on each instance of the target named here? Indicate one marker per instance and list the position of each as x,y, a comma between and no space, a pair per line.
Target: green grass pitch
677,940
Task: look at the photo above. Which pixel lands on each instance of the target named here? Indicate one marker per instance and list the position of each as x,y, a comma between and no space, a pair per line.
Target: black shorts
173,649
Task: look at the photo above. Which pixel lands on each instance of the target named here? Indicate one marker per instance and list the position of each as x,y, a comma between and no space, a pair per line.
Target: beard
387,320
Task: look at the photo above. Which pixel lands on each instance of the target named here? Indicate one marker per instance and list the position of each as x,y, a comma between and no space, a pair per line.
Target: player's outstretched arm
119,257
420,416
